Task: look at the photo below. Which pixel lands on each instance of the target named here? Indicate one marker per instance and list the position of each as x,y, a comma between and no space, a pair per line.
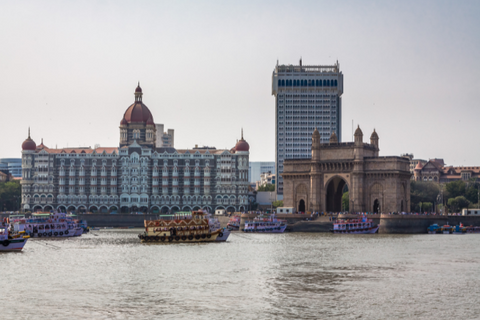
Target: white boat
215,225
56,225
11,242
234,223
265,225
354,226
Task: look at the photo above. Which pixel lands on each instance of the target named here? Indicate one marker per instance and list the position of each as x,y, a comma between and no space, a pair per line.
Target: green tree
462,202
455,189
452,205
427,207
277,204
471,193
346,201
422,192
10,195
267,187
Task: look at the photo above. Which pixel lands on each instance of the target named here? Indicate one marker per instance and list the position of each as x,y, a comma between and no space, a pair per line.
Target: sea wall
410,224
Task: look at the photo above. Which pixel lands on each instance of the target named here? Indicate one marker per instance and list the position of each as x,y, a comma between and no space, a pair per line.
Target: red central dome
137,112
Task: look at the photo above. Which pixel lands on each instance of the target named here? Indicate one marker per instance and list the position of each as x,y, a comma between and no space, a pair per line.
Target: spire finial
242,133
29,132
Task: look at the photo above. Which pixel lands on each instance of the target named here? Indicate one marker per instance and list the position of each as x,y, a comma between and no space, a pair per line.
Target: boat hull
360,231
13,245
279,229
48,235
223,236
177,239
233,227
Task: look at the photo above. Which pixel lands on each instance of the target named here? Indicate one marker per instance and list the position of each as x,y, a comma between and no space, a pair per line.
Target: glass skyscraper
306,97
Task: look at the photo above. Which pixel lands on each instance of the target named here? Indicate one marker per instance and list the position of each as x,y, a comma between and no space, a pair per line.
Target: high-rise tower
306,97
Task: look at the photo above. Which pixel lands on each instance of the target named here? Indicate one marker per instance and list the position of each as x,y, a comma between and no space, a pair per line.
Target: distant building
306,98
256,168
436,171
265,178
413,163
164,139
13,165
5,176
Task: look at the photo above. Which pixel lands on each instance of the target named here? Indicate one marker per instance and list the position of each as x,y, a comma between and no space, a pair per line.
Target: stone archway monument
374,183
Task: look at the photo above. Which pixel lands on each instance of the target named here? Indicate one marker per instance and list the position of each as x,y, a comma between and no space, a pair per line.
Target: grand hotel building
136,176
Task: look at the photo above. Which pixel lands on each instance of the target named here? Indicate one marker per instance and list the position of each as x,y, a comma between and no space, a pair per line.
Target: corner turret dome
418,167
358,132
374,135
333,137
242,145
29,144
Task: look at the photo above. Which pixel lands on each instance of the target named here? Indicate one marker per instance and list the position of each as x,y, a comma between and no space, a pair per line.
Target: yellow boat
185,228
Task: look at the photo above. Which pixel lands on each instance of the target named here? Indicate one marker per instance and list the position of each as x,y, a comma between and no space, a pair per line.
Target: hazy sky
69,69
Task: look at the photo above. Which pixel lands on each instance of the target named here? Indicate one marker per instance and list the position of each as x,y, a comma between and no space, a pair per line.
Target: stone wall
411,224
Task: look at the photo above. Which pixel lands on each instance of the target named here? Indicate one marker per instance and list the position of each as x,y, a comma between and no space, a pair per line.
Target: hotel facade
136,176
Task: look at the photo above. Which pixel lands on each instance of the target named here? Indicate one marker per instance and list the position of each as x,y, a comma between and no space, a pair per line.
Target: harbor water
109,274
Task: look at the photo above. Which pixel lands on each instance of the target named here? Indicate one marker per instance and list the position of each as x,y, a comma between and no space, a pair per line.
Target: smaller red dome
138,89
29,145
242,145
123,122
150,121
419,166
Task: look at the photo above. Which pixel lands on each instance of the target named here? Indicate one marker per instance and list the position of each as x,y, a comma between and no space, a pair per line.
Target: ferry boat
183,228
434,229
460,229
55,225
10,241
264,224
354,226
234,223
215,225
472,229
446,229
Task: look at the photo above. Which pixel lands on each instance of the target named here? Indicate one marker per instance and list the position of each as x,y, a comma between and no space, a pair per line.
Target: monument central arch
375,184
335,188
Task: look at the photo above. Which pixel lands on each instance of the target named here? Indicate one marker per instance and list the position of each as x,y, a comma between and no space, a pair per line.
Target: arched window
324,83
279,82
328,83
336,83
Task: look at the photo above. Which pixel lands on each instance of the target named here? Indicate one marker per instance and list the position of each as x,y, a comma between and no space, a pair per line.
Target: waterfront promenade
389,223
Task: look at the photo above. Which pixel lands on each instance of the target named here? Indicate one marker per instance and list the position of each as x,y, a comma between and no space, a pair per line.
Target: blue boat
434,228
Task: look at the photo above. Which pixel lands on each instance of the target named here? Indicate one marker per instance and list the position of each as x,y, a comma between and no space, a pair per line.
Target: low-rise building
435,170
256,168
265,178
12,165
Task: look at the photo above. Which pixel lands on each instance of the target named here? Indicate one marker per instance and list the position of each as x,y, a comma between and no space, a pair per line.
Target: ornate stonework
375,184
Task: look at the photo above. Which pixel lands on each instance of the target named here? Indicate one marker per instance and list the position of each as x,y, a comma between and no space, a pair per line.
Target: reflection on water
108,274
